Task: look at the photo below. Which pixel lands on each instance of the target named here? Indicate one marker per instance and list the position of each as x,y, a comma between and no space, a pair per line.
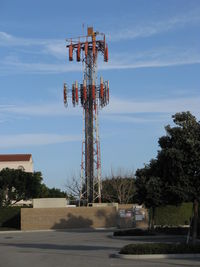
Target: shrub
158,230
133,232
172,230
159,248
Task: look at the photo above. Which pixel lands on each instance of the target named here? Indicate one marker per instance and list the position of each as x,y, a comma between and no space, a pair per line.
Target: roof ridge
15,157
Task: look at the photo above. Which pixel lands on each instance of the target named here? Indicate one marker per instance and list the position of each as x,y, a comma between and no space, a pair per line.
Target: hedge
173,215
159,248
165,230
134,232
10,217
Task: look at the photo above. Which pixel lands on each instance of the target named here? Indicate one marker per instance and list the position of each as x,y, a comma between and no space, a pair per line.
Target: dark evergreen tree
174,177
180,159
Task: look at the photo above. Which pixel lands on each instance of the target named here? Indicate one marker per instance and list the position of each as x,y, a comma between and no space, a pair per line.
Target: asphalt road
73,249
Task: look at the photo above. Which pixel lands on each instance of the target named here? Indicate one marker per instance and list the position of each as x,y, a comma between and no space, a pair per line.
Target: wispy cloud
155,58
44,109
148,29
54,47
15,65
116,107
131,31
160,57
142,112
120,106
24,140
130,118
7,39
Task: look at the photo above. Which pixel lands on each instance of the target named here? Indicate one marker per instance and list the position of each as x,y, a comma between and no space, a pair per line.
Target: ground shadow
85,230
58,247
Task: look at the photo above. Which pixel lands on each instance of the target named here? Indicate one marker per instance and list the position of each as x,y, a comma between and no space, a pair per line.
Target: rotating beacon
91,97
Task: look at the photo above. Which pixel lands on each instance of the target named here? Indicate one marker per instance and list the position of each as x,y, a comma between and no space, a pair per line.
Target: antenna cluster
80,93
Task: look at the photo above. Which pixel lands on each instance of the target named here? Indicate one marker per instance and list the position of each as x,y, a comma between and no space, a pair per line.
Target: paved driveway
72,248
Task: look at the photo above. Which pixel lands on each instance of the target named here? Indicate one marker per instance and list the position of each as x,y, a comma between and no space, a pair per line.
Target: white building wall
27,165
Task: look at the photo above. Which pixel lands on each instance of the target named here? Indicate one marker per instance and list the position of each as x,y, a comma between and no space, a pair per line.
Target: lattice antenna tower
91,97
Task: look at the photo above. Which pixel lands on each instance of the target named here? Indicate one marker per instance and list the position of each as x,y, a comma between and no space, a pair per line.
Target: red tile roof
15,157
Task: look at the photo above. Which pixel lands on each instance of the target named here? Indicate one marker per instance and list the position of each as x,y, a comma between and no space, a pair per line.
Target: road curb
59,230
24,231
156,256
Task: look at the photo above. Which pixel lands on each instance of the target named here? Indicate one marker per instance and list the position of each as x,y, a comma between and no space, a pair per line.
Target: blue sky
153,69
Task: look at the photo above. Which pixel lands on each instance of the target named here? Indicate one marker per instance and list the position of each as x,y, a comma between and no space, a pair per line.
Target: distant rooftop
15,157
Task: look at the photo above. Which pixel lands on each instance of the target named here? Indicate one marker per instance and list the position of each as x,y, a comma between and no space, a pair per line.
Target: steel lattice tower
91,97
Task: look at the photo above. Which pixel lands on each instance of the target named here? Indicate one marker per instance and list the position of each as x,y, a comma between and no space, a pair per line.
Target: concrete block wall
66,218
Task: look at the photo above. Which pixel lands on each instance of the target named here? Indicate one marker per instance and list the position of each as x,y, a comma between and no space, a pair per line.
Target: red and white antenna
91,96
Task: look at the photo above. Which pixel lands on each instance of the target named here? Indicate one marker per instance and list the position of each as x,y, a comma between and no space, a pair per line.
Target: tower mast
91,96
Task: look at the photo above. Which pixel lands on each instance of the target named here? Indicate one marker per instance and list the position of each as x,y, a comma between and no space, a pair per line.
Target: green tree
16,185
55,192
46,192
149,188
180,160
176,171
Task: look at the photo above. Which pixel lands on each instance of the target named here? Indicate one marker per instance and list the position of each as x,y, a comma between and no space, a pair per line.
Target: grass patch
159,248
